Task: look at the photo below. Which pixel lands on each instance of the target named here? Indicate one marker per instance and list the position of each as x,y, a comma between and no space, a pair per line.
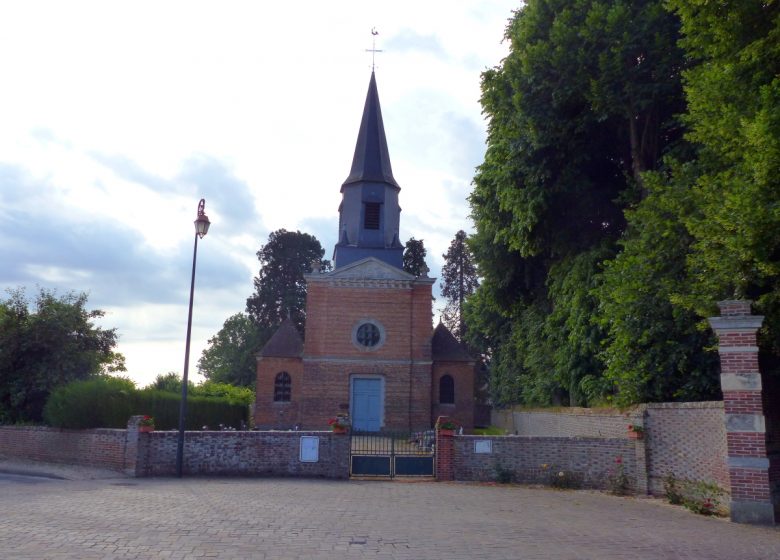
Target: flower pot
145,428
635,435
448,433
339,429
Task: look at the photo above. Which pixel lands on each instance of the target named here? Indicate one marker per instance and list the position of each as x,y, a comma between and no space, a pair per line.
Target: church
370,349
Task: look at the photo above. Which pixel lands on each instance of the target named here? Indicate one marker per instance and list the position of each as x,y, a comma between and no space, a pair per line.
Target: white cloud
118,117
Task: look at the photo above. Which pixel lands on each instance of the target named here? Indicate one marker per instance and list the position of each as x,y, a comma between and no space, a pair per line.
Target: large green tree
459,280
580,109
47,342
733,94
230,355
280,289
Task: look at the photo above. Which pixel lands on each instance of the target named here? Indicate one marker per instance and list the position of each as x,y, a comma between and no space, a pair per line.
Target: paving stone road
296,519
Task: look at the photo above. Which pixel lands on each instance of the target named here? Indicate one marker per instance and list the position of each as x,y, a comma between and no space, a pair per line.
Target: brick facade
278,415
462,410
322,374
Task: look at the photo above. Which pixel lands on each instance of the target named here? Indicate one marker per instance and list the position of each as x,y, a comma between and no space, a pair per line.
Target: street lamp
201,228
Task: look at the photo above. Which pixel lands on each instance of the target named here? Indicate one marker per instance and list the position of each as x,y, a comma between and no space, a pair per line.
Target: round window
368,335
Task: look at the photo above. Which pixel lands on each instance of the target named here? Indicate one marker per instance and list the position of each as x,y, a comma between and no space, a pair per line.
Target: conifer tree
414,257
280,290
459,281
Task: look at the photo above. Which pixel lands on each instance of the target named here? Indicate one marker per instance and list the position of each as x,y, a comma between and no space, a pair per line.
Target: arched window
446,390
282,387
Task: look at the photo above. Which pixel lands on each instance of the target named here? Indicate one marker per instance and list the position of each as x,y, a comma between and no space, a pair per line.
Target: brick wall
591,460
244,453
687,439
569,422
205,453
95,448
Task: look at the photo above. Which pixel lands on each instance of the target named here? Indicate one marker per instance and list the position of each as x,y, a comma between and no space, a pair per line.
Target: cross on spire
373,50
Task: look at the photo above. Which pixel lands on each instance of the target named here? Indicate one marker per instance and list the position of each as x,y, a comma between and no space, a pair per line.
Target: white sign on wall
310,449
483,446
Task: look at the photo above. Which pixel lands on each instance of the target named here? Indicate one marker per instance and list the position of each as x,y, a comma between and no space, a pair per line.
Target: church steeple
372,158
369,214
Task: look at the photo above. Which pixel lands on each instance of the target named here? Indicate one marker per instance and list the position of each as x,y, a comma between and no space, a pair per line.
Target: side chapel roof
285,343
446,348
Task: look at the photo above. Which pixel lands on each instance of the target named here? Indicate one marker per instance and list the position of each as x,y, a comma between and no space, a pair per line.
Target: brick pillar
445,452
640,451
133,447
740,380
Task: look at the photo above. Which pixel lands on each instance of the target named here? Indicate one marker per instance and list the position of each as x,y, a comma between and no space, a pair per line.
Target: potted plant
635,431
339,424
146,424
446,427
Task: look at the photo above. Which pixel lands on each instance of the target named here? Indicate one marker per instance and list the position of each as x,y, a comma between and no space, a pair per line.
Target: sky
116,118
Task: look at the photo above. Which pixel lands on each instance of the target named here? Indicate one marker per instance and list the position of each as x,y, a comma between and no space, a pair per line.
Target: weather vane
373,50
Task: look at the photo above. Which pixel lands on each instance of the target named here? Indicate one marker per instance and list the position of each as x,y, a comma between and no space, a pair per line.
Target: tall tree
583,105
414,257
230,355
733,114
280,290
45,343
459,280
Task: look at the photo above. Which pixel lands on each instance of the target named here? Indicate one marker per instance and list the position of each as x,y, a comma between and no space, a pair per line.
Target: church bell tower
369,214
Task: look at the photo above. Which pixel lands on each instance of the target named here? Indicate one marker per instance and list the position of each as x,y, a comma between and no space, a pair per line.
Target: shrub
102,402
201,411
697,496
108,402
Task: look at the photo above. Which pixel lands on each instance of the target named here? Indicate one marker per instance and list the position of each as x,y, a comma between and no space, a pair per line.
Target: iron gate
385,454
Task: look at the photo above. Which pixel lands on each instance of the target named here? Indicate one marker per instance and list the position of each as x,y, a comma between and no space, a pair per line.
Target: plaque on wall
483,446
310,449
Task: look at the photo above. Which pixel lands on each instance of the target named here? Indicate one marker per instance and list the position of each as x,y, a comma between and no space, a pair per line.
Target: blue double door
367,403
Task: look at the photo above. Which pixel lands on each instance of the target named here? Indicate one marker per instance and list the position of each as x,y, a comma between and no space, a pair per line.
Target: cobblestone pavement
293,518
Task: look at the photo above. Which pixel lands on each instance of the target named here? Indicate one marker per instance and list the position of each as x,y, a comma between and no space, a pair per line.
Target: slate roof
285,343
372,158
446,348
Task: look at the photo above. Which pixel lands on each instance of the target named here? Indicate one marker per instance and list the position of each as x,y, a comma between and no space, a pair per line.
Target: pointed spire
372,158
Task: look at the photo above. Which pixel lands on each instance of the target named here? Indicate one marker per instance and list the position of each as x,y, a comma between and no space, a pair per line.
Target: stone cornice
736,323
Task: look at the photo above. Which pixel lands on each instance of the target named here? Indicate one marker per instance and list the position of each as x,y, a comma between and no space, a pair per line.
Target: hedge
108,402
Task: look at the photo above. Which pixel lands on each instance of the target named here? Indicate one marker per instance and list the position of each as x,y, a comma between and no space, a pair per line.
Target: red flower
619,460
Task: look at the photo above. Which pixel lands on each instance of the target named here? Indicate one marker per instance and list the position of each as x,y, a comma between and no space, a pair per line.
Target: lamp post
201,228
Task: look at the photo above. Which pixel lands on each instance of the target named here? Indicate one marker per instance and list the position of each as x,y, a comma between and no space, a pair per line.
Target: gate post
740,380
444,452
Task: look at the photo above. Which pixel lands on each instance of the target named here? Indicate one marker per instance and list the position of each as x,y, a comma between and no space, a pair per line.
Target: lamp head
202,223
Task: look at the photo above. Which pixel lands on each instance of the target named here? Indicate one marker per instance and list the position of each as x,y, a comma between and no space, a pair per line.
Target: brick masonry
686,439
101,448
752,456
246,453
322,375
591,461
